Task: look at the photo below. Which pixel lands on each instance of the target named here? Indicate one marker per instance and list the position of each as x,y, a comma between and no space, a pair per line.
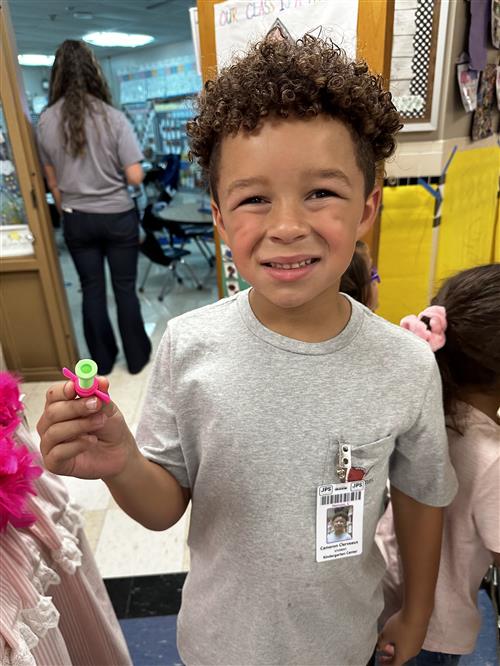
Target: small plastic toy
85,380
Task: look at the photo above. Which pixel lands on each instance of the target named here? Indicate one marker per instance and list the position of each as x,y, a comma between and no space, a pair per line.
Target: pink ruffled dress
54,608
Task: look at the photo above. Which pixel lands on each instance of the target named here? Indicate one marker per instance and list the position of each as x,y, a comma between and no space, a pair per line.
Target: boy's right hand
84,437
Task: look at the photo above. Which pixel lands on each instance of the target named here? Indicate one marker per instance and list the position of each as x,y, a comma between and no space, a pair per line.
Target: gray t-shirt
247,418
94,182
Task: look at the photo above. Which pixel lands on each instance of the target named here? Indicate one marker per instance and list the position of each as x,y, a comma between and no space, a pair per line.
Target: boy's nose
287,226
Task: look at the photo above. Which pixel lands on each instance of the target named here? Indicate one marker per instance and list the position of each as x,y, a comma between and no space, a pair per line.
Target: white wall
32,77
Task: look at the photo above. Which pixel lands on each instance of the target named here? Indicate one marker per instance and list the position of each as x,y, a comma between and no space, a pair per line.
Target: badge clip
344,464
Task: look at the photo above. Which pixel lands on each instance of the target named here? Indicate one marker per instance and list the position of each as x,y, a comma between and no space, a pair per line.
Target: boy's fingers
61,407
55,393
103,383
386,652
69,390
60,455
66,390
68,431
63,411
110,407
60,391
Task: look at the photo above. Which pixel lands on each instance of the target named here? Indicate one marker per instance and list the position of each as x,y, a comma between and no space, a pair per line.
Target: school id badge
339,520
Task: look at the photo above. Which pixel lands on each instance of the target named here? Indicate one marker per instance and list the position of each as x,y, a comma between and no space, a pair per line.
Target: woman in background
90,154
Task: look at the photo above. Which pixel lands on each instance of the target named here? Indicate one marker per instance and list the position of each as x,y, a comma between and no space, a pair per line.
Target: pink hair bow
432,332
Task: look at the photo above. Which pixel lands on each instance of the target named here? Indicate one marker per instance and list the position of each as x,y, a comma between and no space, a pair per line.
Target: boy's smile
289,268
291,206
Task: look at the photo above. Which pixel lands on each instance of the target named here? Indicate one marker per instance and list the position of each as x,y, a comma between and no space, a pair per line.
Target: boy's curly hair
306,78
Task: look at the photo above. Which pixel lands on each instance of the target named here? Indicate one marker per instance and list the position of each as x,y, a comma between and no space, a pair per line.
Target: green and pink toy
85,380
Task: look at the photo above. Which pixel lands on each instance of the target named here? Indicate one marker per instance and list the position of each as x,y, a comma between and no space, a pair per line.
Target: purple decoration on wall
478,34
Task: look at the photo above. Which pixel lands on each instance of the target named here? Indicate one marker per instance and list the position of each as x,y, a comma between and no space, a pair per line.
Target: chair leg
203,250
198,284
141,287
176,274
171,268
209,251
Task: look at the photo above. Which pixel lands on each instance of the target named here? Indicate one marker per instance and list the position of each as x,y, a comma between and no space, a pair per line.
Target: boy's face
291,207
339,525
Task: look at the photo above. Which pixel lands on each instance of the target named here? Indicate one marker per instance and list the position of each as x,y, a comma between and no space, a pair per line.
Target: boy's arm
143,487
418,530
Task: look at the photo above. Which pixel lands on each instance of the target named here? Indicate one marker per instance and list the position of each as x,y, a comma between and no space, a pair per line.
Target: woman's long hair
470,359
75,76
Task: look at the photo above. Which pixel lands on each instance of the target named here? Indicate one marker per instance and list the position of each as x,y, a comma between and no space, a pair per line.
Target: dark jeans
91,238
426,658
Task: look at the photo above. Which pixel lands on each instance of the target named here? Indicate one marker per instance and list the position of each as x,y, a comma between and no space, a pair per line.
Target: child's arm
418,531
149,493
89,440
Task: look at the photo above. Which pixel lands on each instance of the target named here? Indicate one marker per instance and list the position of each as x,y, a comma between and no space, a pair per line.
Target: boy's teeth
299,264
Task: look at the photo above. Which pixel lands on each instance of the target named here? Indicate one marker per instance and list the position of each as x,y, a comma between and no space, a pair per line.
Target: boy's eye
252,200
322,194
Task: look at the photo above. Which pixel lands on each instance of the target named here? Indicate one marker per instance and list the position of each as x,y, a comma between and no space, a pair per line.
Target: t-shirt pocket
370,461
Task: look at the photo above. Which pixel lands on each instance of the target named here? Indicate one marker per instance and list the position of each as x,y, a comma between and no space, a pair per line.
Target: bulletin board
369,34
417,61
169,78
239,24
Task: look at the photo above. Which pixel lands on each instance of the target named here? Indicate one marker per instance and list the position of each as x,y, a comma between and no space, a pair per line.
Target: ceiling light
35,60
117,39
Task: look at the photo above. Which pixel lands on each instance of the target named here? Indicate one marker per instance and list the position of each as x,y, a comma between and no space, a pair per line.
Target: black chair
164,176
201,234
159,249
182,233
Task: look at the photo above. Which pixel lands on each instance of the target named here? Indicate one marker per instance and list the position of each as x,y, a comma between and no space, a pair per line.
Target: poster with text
239,23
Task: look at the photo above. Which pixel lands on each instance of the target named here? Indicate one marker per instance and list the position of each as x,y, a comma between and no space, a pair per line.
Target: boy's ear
217,217
370,211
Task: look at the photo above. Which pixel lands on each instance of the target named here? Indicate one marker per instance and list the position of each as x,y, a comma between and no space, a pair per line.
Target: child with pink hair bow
467,309
430,325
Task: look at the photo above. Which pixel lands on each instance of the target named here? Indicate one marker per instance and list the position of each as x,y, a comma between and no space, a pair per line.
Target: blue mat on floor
151,640
485,653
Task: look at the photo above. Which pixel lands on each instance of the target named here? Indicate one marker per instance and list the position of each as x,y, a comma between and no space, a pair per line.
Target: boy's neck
487,404
316,321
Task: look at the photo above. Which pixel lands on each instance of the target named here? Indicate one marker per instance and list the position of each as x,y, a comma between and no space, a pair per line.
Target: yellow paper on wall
405,251
468,213
496,246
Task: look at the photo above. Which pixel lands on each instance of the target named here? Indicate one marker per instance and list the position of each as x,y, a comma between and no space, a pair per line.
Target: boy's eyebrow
242,183
337,174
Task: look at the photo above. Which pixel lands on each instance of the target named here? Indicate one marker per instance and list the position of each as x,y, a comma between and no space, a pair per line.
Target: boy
260,403
337,528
